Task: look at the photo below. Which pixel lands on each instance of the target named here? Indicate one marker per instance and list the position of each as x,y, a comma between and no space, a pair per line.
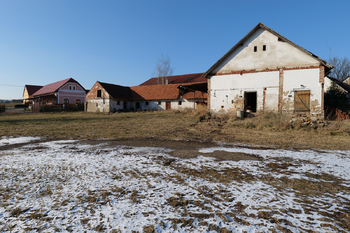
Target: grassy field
271,130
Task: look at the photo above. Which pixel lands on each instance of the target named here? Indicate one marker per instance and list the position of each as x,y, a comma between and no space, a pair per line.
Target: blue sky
120,41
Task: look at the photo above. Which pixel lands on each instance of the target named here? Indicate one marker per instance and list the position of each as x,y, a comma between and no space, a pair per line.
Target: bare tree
341,70
163,69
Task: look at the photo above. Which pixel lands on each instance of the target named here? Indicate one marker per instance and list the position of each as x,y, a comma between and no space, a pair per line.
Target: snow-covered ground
74,186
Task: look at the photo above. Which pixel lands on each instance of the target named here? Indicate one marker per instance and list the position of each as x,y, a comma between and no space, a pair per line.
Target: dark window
118,102
99,94
180,102
66,101
146,103
77,101
159,102
264,47
255,48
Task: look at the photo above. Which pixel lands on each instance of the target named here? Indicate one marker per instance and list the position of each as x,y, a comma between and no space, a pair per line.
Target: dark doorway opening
250,101
137,106
125,105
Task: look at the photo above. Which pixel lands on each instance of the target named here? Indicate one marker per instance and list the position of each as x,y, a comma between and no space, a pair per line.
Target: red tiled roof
53,87
152,92
155,92
31,89
176,79
197,95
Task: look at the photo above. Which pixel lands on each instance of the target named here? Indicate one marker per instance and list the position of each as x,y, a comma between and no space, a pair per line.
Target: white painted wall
327,84
97,105
309,78
174,104
277,54
226,90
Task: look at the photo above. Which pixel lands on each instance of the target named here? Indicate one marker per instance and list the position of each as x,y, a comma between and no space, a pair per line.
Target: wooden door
167,105
302,101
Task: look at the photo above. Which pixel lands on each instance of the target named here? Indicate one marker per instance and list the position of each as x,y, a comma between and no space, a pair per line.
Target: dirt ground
171,185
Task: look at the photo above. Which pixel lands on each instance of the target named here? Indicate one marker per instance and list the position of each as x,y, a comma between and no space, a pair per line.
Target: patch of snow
71,186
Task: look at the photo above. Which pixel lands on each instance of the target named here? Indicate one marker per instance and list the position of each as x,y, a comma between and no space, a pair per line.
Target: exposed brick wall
280,90
322,83
208,96
241,72
321,74
264,98
92,94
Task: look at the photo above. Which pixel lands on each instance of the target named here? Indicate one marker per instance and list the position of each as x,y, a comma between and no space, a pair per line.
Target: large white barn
266,71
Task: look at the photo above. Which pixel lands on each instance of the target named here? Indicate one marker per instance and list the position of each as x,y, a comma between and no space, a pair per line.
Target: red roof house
67,91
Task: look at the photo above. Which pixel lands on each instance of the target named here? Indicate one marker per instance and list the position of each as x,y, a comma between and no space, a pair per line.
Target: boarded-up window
302,101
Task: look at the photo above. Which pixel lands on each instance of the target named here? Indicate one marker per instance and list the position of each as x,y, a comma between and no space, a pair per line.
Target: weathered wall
97,105
304,79
227,91
92,94
154,106
277,54
274,89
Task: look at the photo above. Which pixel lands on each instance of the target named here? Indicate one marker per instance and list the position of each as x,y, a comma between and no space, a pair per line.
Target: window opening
264,47
180,102
66,101
255,48
146,103
159,102
77,101
99,94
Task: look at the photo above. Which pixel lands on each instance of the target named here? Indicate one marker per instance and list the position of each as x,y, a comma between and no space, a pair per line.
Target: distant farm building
174,92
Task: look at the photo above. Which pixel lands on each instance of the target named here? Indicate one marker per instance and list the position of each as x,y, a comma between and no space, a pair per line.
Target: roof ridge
263,26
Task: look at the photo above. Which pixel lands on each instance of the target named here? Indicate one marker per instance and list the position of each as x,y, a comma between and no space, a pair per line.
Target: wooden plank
302,101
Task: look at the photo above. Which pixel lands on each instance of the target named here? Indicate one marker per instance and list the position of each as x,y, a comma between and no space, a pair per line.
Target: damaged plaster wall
227,91
97,105
303,79
277,54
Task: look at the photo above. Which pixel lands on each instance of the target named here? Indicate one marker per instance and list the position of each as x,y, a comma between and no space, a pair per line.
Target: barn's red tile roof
176,79
53,87
196,95
31,89
155,92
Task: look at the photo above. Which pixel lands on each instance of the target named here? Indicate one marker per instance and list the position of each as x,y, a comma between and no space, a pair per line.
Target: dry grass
268,129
